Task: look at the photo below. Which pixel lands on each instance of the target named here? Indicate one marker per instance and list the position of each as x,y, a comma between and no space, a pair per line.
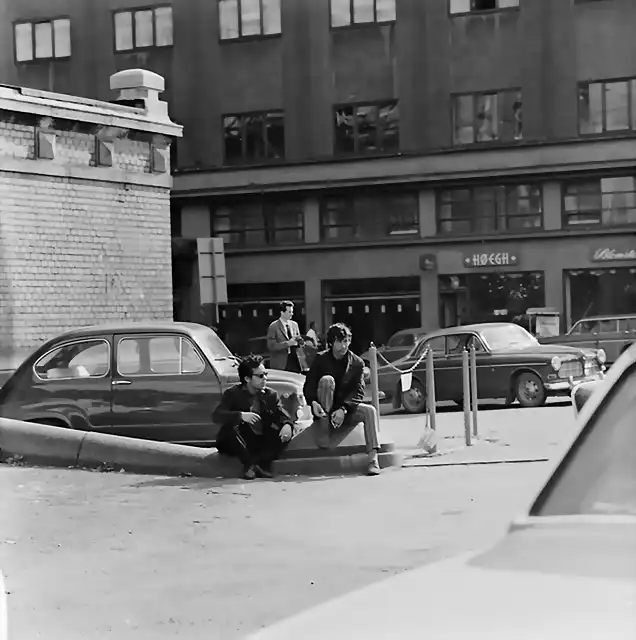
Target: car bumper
566,386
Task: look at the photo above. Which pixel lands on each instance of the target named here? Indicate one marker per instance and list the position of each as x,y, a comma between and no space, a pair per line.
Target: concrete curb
411,463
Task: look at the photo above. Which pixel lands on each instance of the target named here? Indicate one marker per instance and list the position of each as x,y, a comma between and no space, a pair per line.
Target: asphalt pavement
103,555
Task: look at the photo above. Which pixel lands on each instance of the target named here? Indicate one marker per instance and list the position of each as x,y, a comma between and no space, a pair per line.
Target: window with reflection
254,138
476,6
607,106
368,216
249,18
353,12
367,129
252,222
490,209
42,40
608,202
487,117
143,28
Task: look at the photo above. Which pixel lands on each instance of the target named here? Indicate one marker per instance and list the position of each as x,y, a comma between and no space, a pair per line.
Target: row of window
153,26
486,209
604,107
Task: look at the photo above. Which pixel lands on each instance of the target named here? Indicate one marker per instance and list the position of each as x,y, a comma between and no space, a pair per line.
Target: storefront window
601,292
607,202
489,297
373,215
490,209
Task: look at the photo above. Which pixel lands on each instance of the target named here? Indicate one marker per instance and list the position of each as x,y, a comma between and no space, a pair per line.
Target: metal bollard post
466,390
430,394
373,366
473,386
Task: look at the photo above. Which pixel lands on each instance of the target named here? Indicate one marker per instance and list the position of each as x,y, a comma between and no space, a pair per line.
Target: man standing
255,427
285,342
335,389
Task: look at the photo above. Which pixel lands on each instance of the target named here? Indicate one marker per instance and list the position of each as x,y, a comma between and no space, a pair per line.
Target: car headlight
556,363
601,356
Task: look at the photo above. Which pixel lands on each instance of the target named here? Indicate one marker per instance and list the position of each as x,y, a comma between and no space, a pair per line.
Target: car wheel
414,400
530,390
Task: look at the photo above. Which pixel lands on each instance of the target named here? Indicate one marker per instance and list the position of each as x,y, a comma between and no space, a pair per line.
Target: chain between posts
391,365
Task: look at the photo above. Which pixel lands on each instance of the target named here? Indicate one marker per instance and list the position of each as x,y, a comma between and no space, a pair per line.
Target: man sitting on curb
335,389
255,427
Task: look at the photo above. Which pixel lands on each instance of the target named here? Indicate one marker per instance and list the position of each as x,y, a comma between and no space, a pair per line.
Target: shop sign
498,259
605,254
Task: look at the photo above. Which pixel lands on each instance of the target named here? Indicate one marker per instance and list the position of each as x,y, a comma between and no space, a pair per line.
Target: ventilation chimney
141,88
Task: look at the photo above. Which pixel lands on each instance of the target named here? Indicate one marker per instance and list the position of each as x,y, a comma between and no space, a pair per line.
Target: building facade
84,214
388,163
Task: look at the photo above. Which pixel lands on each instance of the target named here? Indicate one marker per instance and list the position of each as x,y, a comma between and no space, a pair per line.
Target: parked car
613,334
156,380
398,345
511,364
566,568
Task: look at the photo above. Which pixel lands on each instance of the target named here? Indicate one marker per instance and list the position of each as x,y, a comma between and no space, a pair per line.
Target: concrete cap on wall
141,84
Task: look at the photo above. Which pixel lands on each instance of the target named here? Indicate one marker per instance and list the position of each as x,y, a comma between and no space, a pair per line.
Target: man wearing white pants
335,389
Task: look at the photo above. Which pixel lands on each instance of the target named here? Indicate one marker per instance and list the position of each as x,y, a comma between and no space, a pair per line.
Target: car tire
414,400
530,390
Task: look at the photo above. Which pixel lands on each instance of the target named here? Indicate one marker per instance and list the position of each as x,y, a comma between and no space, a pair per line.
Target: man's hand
317,410
250,417
292,343
337,418
286,433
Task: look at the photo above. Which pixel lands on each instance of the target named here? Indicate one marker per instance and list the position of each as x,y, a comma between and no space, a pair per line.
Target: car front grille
571,369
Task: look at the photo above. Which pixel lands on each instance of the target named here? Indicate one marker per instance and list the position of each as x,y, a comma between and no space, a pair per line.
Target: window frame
566,214
479,12
356,153
474,95
33,23
151,374
132,11
507,217
631,107
71,342
252,36
247,162
357,25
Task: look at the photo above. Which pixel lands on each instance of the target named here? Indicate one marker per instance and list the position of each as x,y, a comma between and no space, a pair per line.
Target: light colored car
565,569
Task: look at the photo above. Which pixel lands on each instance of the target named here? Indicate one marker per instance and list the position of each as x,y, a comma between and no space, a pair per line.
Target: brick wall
79,243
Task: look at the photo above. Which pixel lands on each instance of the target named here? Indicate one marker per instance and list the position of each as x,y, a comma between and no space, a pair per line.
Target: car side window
82,359
437,345
455,344
158,355
627,325
609,326
403,340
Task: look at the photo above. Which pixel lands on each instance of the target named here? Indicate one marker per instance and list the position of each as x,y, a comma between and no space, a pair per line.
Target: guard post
373,366
466,394
473,386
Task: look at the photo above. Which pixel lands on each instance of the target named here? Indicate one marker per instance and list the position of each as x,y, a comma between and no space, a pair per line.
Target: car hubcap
414,397
530,389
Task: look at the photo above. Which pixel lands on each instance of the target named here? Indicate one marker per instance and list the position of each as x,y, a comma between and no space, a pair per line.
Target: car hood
469,597
551,350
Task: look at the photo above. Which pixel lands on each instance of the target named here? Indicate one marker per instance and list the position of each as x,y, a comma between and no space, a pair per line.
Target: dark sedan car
156,380
511,364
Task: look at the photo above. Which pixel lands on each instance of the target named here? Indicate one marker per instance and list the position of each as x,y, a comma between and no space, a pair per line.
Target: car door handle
121,382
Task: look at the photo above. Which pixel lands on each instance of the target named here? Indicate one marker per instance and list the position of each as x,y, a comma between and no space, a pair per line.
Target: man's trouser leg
367,414
324,395
270,448
239,441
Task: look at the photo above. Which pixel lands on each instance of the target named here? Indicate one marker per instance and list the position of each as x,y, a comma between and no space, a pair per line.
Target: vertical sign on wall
212,278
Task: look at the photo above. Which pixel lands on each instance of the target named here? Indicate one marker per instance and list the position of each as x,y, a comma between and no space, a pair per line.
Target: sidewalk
505,435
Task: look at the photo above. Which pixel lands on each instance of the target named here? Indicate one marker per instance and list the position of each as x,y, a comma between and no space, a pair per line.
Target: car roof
469,328
616,316
133,327
415,330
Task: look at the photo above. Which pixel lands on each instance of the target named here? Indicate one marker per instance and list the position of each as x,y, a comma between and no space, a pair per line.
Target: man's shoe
374,468
249,473
262,472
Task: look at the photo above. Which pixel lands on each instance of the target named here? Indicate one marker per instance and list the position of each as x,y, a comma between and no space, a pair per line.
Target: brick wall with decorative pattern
84,227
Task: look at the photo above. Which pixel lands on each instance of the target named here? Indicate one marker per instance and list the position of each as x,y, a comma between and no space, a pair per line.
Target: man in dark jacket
254,424
334,388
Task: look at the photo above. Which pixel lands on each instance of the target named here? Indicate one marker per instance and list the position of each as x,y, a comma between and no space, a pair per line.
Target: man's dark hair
284,304
338,331
247,366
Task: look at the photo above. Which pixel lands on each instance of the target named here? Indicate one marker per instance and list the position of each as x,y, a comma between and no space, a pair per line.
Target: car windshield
508,336
598,477
216,350
401,340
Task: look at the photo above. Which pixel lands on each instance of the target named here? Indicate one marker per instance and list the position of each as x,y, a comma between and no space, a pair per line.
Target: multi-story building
389,163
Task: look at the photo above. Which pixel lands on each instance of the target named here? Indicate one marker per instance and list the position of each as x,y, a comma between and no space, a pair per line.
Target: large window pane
459,6
389,123
340,13
616,106
367,124
23,34
233,140
275,135
62,37
254,137
43,40
345,134
271,17
123,31
143,29
463,131
486,117
591,109
250,17
229,19
363,11
385,10
163,25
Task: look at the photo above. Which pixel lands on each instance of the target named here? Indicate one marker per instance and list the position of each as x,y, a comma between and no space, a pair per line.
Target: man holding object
285,342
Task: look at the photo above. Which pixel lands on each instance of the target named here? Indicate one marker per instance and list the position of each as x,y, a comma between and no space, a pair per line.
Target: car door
611,339
163,389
